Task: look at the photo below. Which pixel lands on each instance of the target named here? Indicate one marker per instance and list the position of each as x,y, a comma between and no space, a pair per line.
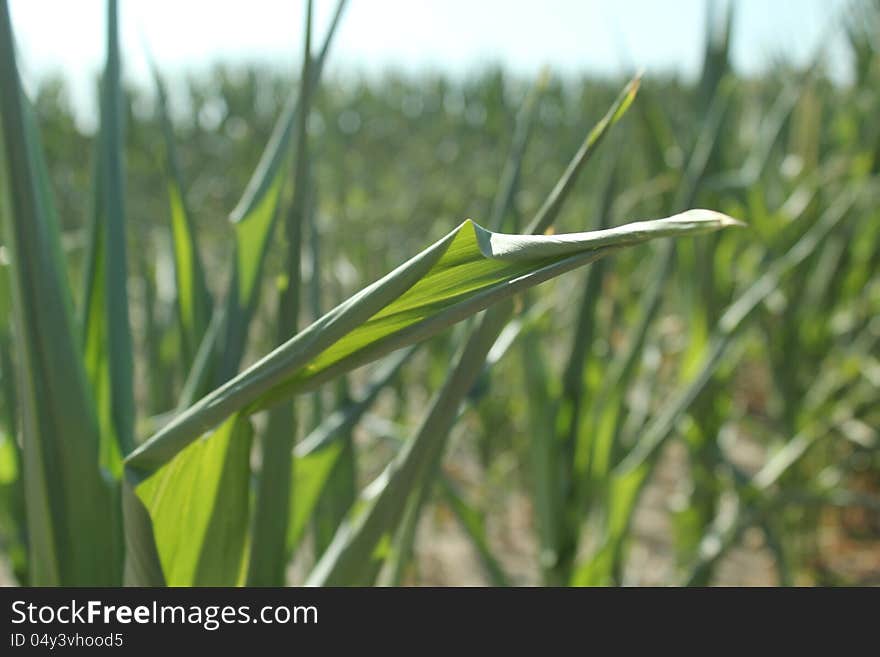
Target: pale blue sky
570,36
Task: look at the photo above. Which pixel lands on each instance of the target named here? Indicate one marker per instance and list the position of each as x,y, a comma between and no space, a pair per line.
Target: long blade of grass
599,435
194,301
555,438
463,273
254,220
221,350
106,331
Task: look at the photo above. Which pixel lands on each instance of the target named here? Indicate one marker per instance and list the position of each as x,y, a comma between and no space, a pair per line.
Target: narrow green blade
474,525
107,334
194,302
271,507
254,220
356,549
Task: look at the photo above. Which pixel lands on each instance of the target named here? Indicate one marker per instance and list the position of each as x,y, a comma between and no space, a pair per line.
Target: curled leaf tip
701,215
637,78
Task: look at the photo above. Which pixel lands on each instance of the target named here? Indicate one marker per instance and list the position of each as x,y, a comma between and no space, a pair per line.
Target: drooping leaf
463,273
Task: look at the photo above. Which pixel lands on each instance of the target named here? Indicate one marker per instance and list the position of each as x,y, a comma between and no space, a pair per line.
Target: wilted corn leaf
463,273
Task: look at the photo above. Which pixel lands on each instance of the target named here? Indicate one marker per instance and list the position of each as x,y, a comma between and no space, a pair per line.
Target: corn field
267,328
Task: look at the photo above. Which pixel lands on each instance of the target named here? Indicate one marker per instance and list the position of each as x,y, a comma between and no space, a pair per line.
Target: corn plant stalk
272,504
509,184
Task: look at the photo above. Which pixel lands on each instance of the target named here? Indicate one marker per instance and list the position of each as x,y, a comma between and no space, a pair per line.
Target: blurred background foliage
414,156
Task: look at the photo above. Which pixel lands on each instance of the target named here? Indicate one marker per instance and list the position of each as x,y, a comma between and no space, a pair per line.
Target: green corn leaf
194,300
219,354
271,509
557,469
107,334
205,490
357,542
72,533
311,471
600,430
509,183
401,551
